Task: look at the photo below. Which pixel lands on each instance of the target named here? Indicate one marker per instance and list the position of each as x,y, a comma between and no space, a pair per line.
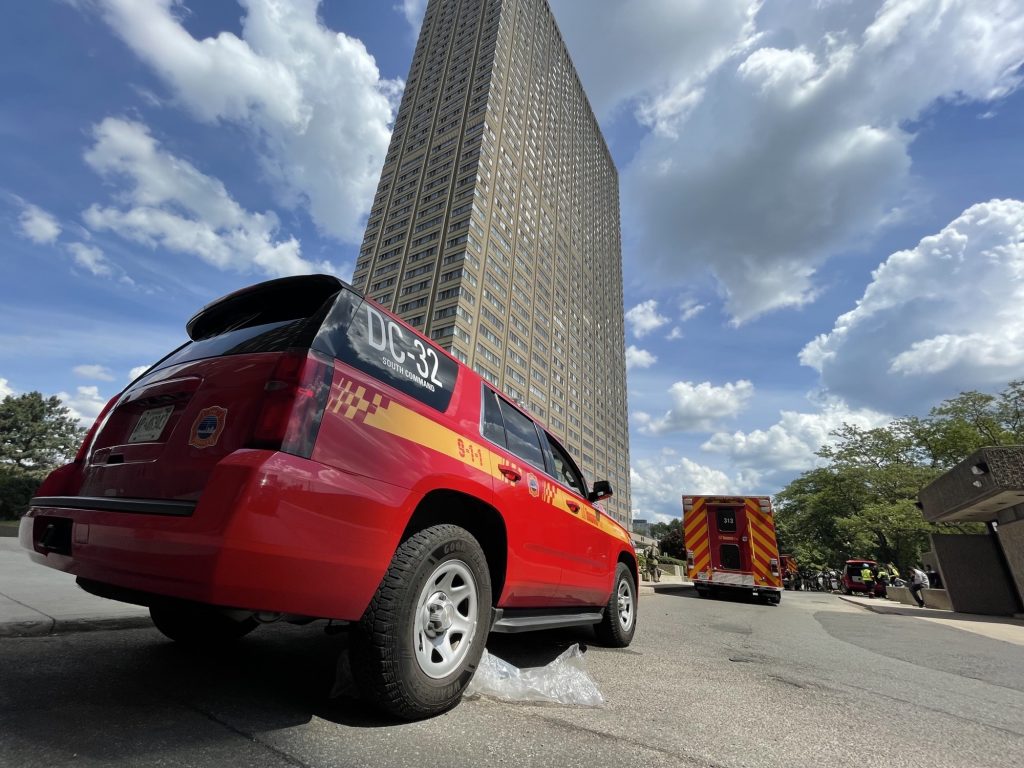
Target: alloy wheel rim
446,619
625,604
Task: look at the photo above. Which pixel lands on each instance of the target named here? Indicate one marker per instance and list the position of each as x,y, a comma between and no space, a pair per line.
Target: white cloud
38,225
656,486
690,309
173,205
5,388
789,445
795,145
936,319
662,50
91,258
644,318
639,358
98,372
137,371
85,405
413,11
675,333
698,407
311,98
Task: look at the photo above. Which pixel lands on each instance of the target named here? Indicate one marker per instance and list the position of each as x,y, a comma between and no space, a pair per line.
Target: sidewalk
1006,628
666,584
36,600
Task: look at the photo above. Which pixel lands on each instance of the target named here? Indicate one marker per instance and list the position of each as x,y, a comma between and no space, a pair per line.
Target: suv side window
564,470
492,425
522,435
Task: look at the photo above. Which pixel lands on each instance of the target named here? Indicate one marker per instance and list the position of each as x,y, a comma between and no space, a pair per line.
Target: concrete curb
664,586
49,627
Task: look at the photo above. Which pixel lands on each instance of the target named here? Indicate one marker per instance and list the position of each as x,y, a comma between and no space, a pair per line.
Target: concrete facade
495,228
1011,538
983,574
974,575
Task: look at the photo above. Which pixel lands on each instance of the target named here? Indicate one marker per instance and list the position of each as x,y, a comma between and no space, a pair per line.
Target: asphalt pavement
36,600
817,681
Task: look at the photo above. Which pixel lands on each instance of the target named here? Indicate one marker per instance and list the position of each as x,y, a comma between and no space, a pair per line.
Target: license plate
151,425
702,576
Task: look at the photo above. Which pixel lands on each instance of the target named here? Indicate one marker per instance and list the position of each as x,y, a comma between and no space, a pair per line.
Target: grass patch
9,527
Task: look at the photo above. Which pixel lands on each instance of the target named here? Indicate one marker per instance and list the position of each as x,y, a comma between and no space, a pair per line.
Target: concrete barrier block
901,594
936,598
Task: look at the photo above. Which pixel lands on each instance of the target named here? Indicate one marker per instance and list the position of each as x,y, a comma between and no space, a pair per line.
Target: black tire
198,626
396,649
703,592
616,629
775,598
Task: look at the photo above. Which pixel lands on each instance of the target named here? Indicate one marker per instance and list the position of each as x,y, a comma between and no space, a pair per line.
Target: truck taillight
293,404
774,566
689,558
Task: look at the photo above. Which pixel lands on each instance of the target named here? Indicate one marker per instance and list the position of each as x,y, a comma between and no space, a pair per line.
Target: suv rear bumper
271,532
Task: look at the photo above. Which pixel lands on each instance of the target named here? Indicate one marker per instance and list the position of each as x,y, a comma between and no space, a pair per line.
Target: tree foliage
862,502
37,434
671,542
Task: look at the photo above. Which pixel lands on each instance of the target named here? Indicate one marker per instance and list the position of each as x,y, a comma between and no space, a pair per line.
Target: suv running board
520,623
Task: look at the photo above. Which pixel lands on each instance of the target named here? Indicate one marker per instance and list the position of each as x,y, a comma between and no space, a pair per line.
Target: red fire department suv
306,454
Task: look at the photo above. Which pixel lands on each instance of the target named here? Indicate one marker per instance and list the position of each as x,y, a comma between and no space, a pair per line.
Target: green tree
861,504
37,434
671,543
657,530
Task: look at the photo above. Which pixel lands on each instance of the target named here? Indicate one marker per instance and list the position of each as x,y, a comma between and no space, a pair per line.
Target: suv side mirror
602,490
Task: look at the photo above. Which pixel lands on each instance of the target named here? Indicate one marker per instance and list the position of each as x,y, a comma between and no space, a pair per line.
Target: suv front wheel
619,623
421,638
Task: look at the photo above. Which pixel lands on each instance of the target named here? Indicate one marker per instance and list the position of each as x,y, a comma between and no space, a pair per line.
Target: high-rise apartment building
495,228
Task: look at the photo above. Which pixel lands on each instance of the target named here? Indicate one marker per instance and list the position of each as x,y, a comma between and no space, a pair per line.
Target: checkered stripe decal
354,402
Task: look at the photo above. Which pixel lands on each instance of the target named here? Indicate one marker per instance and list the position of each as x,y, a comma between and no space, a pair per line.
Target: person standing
918,581
867,578
883,581
652,563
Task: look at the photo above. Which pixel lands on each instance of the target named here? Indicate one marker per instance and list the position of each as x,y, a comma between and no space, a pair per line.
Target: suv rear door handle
573,506
510,472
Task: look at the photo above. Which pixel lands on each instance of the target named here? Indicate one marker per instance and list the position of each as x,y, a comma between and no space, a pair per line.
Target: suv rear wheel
619,623
198,625
421,638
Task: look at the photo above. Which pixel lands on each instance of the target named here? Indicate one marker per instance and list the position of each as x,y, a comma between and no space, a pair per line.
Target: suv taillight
83,449
66,480
293,404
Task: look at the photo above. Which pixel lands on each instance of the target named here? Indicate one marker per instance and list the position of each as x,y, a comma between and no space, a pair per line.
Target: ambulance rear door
730,542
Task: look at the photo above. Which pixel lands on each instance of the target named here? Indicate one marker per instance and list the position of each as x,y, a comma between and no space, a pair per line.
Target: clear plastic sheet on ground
563,681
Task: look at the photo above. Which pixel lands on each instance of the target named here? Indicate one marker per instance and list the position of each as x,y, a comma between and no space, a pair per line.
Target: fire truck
730,546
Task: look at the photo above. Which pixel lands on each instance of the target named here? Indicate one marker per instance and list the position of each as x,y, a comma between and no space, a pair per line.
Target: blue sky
821,200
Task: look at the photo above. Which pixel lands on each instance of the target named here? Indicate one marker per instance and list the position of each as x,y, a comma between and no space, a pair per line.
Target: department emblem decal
533,484
207,427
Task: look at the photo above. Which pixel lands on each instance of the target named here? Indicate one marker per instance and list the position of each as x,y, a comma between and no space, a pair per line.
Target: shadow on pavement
277,678
722,595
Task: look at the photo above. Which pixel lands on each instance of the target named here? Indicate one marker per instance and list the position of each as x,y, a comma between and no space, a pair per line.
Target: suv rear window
272,337
268,317
363,336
